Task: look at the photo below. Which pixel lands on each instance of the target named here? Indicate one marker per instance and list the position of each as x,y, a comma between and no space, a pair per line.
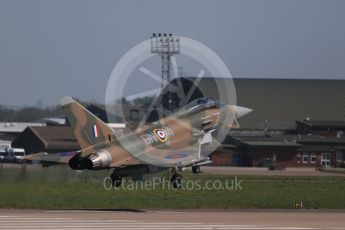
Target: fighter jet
173,142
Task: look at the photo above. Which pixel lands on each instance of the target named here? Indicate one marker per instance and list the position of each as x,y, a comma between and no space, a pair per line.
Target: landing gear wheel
196,169
176,181
116,180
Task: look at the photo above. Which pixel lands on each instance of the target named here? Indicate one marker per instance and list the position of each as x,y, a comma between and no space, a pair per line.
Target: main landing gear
196,169
176,181
116,179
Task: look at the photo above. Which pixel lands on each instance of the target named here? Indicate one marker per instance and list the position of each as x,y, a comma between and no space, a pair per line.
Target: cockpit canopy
201,103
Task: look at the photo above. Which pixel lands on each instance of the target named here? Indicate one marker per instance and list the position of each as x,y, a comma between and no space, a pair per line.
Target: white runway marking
31,222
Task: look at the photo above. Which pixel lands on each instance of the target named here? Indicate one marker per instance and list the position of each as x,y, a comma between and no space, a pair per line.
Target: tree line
28,114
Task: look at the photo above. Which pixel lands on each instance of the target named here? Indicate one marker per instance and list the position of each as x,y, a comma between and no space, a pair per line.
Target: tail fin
88,129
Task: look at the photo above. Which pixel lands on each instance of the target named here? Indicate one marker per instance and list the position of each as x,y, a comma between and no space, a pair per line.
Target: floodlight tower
165,46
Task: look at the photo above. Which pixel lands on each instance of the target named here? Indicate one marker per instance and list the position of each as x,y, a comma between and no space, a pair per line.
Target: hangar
51,139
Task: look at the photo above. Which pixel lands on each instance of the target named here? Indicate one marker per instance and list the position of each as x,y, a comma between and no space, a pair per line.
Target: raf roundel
161,134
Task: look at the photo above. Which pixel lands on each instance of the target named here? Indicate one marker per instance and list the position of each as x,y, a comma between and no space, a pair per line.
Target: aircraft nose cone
242,111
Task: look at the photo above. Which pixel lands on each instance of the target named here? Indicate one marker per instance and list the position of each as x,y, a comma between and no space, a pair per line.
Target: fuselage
159,139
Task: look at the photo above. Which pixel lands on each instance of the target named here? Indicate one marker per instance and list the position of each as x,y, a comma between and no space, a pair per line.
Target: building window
298,158
313,158
305,158
339,155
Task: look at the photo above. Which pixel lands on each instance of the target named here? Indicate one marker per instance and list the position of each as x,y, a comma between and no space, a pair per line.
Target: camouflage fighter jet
173,142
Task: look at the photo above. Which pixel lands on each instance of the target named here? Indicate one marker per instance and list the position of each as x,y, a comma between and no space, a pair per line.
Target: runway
170,219
263,171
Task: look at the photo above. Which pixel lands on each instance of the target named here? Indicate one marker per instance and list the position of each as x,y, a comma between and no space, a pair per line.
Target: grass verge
59,187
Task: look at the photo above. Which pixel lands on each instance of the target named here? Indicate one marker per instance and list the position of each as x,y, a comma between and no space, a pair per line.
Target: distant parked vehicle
266,162
12,155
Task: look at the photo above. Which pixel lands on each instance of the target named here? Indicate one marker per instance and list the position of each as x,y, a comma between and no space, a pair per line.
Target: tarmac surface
171,219
231,170
256,171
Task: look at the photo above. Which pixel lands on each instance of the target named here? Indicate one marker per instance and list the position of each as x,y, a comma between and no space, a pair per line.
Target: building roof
283,101
300,142
319,140
46,139
276,103
54,120
317,124
16,127
271,142
4,144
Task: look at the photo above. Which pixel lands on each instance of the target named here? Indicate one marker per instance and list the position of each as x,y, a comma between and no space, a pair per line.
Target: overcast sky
53,48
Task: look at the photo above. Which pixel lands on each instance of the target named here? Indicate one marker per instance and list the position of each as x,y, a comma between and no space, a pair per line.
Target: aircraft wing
170,156
50,159
173,158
